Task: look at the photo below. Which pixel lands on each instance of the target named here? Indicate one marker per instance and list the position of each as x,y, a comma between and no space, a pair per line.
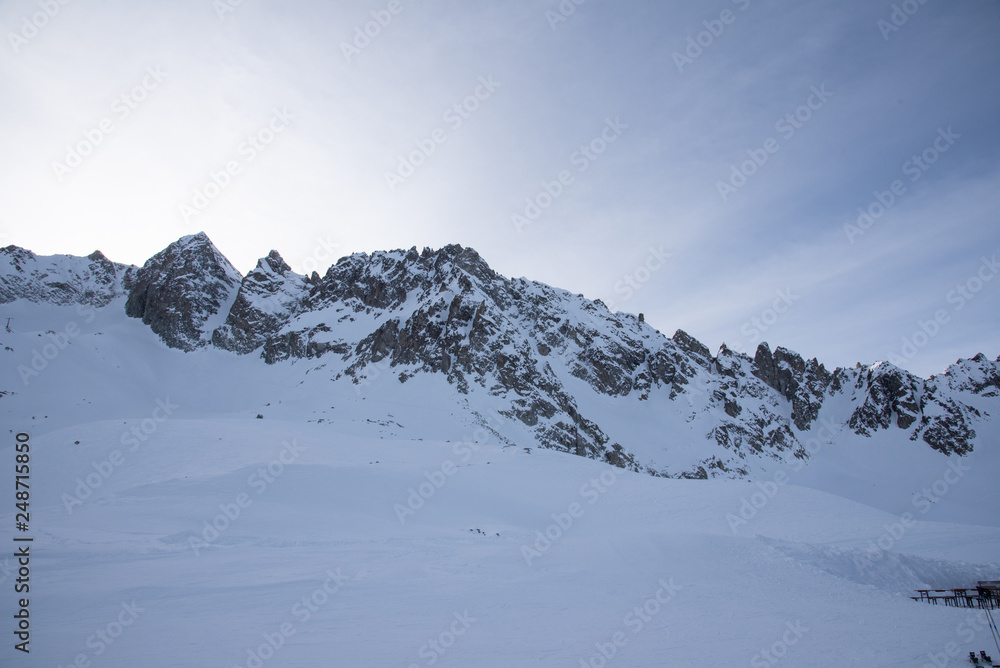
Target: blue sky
274,125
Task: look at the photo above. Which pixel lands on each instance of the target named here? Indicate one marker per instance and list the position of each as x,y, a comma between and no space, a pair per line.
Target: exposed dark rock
536,349
63,280
268,298
181,288
691,345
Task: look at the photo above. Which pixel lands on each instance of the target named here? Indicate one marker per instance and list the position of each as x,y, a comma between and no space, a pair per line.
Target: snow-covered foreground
216,540
381,525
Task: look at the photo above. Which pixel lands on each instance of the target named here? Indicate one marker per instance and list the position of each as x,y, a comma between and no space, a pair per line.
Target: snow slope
379,524
309,502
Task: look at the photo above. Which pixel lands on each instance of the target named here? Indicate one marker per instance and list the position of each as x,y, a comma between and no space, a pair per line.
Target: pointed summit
199,238
273,262
268,298
184,291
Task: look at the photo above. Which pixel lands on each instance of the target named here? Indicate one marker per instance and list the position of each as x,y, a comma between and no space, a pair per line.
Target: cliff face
546,356
181,289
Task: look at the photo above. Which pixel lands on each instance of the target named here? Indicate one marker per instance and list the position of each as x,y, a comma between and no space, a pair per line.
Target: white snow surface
318,555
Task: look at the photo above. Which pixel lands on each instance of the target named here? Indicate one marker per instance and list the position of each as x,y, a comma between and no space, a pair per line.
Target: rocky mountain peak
16,253
692,346
268,297
275,262
181,290
60,279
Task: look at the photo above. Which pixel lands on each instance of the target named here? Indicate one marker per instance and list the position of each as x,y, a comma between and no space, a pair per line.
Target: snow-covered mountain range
578,377
414,461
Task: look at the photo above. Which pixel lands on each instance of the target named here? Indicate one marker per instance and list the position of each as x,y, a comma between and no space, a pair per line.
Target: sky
822,176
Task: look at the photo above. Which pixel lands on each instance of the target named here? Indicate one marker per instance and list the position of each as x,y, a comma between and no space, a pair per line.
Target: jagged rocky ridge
536,349
62,279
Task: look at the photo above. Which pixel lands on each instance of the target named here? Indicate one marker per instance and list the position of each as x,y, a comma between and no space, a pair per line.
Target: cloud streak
755,65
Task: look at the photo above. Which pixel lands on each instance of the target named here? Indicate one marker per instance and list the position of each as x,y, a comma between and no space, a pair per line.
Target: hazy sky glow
697,162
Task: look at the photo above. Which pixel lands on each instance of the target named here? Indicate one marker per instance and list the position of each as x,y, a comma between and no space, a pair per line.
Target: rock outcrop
182,289
61,279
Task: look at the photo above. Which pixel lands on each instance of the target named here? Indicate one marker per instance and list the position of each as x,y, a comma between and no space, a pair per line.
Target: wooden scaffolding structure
985,595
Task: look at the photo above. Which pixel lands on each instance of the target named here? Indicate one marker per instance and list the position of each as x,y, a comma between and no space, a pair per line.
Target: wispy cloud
759,65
